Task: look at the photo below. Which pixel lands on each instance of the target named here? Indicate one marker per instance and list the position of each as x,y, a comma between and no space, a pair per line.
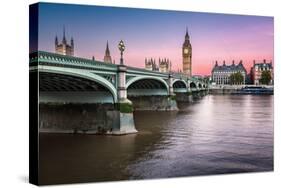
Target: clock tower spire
186,55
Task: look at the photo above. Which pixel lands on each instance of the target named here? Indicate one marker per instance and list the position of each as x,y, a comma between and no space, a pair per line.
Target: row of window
263,68
228,72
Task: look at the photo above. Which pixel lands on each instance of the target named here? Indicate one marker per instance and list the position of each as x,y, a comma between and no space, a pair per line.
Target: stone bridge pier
126,122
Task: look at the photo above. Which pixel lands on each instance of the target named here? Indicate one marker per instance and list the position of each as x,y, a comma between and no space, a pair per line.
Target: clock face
185,51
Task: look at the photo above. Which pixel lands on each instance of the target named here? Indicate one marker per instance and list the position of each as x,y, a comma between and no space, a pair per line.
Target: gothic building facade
164,65
150,64
64,48
221,73
187,56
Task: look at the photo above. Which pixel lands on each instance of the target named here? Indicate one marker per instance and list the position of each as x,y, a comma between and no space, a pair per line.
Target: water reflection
220,134
216,134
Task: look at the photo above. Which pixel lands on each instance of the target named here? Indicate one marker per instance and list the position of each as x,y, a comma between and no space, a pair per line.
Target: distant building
187,56
221,73
63,48
150,64
107,57
257,70
164,65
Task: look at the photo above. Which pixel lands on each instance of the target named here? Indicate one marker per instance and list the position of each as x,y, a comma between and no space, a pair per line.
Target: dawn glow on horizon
158,34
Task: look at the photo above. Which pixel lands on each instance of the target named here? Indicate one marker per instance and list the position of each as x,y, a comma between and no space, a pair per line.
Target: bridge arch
147,85
199,85
84,75
192,85
180,86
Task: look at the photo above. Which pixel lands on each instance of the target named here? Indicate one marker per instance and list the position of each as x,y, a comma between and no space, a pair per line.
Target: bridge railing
142,70
58,59
42,57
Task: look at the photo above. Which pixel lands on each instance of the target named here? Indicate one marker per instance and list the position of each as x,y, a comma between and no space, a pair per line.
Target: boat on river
254,90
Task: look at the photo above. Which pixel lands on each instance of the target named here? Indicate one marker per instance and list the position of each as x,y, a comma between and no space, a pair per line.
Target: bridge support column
172,103
126,124
189,92
171,89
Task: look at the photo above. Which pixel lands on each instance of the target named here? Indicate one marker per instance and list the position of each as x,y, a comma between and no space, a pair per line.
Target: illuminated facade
164,65
63,48
150,64
258,68
221,73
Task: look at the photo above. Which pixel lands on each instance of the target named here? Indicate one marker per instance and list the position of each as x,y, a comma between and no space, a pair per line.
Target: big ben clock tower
186,56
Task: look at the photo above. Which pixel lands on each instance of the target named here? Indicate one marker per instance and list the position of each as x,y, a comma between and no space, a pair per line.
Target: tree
236,78
231,79
265,77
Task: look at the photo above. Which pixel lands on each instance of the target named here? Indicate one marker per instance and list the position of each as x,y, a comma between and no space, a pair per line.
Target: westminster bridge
113,90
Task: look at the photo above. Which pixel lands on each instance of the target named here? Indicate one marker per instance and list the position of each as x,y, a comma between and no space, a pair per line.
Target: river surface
216,134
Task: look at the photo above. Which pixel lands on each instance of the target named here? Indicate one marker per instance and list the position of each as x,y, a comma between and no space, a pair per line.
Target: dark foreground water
214,135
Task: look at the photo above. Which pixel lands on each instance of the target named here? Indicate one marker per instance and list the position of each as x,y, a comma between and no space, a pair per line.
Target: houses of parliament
164,64
64,48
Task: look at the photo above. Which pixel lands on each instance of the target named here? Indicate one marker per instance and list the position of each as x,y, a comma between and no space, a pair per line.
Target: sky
158,34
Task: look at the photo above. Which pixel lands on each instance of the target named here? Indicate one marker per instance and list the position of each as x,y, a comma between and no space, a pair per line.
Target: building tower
187,56
63,48
150,64
164,65
107,57
72,46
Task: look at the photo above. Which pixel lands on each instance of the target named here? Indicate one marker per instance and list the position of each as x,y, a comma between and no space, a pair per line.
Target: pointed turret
72,42
56,40
107,52
64,48
107,57
186,34
63,38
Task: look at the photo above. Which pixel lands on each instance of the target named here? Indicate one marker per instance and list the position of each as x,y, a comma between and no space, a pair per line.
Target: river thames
216,134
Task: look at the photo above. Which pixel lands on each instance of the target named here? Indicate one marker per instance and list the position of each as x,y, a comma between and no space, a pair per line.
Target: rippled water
216,134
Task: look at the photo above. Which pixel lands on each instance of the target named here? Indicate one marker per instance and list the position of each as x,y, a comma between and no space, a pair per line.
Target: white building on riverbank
221,73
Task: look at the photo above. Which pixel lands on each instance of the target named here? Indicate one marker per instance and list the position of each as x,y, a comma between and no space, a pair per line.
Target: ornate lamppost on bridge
121,47
126,122
122,69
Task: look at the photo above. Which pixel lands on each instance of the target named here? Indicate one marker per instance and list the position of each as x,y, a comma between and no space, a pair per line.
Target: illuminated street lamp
121,47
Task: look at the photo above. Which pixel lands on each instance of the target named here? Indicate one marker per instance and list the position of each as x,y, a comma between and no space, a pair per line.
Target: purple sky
156,33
